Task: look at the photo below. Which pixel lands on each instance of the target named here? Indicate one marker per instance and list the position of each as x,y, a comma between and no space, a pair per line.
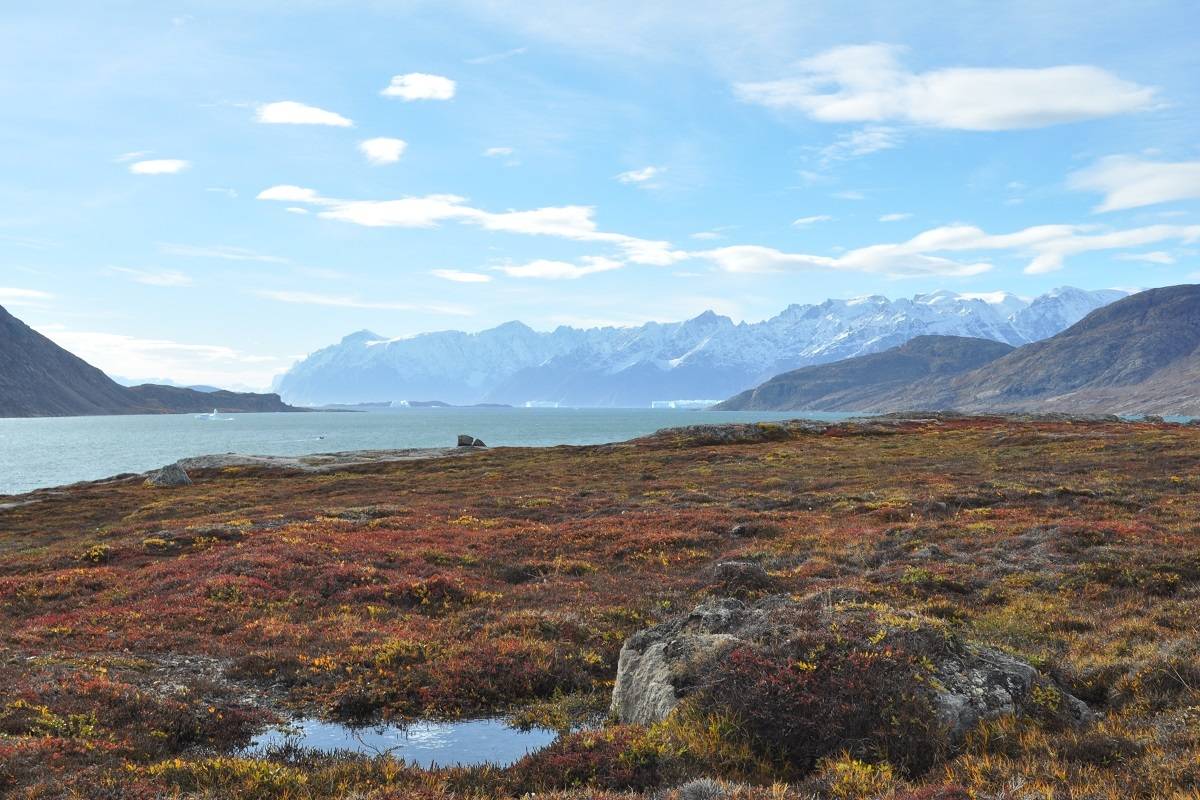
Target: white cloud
895,217
492,58
289,112
458,276
290,194
805,221
153,278
11,296
383,150
1153,257
708,236
344,301
420,86
219,251
185,363
498,152
296,210
567,222
640,175
1132,182
1047,247
561,270
159,166
850,194
868,83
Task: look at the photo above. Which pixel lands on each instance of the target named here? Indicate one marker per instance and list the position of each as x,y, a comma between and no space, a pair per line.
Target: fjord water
44,452
426,744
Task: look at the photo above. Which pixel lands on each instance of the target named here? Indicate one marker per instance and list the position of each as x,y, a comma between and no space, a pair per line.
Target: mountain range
707,357
40,379
1140,354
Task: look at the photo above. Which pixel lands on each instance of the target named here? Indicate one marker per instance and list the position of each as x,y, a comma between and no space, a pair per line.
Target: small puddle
423,744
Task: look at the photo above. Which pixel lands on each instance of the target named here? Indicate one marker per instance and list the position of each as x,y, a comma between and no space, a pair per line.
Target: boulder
466,440
169,476
960,684
737,578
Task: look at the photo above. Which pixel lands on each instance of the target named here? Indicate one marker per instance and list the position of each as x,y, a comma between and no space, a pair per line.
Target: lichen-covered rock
823,649
169,476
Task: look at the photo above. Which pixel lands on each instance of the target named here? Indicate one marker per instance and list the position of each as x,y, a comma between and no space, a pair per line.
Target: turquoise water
37,453
424,744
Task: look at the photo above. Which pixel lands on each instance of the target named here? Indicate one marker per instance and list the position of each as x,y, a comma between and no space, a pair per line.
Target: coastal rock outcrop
466,440
832,663
169,476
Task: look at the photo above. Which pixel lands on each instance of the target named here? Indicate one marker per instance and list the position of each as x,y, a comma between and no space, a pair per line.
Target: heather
146,633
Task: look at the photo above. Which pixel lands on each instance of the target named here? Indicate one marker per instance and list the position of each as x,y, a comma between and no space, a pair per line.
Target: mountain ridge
707,356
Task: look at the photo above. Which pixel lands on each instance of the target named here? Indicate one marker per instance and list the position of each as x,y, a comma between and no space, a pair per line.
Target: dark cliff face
40,379
865,383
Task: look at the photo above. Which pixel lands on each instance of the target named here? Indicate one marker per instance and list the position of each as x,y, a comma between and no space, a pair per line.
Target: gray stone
466,440
169,476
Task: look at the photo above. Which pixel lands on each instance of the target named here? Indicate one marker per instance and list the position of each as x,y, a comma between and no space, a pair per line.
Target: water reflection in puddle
424,744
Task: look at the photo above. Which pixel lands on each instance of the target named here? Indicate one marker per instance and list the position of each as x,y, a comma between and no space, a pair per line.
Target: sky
207,191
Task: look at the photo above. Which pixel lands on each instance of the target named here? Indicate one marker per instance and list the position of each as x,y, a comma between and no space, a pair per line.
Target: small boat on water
214,416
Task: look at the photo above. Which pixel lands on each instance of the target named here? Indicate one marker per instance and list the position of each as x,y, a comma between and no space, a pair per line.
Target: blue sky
207,191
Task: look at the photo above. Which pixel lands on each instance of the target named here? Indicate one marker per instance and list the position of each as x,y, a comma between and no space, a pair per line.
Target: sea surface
37,453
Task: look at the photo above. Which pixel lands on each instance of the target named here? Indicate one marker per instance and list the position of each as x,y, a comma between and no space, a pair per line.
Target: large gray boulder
169,476
660,666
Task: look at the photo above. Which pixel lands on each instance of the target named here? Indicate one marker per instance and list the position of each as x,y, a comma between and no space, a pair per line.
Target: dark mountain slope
1140,354
40,379
867,383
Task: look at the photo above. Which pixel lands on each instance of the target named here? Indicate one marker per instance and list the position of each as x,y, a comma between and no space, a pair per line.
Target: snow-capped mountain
707,357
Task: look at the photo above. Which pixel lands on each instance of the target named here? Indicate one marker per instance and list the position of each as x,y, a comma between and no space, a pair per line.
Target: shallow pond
424,744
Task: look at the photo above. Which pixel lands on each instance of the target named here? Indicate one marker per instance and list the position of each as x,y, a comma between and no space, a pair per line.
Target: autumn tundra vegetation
146,633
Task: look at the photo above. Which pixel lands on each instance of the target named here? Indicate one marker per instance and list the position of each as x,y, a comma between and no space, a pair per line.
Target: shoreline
697,434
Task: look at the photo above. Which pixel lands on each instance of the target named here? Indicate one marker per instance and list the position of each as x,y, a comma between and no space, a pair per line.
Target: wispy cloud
492,58
547,269
219,251
12,296
640,176
897,217
135,155
383,150
159,166
345,301
1047,247
1133,182
498,152
420,86
290,112
865,141
153,277
868,83
803,222
458,276
1153,257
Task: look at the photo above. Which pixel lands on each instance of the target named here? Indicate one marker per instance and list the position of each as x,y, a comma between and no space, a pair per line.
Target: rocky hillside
40,379
1138,355
872,381
707,357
